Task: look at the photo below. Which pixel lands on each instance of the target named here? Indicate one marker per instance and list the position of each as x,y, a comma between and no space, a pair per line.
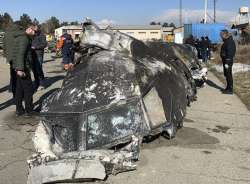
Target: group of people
202,45
24,51
228,51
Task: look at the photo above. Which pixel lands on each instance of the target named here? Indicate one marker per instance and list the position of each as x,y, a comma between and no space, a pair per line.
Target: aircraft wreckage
121,91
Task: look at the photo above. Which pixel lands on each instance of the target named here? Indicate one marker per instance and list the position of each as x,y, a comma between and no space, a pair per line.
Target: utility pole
215,11
205,19
180,13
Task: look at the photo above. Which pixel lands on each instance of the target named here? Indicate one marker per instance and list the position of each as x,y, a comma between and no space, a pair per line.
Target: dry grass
242,87
241,80
242,55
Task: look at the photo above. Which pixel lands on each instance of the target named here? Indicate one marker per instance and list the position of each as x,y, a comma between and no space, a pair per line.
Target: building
74,31
167,34
140,32
144,33
179,35
243,17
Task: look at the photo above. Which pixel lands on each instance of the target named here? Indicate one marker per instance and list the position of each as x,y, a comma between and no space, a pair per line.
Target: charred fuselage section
120,91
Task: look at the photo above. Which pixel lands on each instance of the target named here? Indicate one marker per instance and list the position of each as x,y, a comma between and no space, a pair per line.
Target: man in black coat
39,43
227,54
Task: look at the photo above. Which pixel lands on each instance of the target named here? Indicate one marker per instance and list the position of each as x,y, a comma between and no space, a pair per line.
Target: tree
50,25
35,21
74,23
64,24
5,21
172,25
165,24
25,20
152,23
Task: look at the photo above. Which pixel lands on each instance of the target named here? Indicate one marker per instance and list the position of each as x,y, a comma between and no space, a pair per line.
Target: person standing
67,51
8,45
208,43
22,60
39,43
190,41
204,47
227,54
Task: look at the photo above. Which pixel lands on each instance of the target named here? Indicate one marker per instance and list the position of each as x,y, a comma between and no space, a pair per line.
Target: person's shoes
20,113
31,114
222,90
228,92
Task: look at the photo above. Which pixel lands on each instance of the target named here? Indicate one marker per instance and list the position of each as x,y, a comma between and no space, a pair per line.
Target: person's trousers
209,54
38,68
204,56
228,74
12,81
24,91
67,58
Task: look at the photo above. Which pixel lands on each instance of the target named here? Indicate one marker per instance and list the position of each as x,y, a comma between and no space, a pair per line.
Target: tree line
48,26
164,24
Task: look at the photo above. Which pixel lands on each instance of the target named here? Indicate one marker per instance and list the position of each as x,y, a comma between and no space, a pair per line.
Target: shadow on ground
6,104
5,88
49,81
212,84
49,60
186,137
52,80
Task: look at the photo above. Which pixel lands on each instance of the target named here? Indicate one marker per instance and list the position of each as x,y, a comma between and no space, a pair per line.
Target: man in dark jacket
39,43
8,46
228,51
204,46
190,41
22,65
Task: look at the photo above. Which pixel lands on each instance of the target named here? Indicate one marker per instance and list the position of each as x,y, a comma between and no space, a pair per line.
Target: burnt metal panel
100,127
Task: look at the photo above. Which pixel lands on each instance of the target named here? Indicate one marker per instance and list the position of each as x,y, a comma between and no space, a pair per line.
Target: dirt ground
241,80
213,146
241,85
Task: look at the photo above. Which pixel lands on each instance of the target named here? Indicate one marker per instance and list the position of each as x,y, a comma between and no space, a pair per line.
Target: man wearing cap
227,54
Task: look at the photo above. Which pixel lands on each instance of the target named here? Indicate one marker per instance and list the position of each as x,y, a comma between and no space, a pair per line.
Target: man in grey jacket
21,64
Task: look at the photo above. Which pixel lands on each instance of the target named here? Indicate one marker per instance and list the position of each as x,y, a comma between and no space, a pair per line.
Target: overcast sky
120,11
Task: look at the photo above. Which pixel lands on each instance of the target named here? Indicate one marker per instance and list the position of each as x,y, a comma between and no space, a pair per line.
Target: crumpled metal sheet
83,165
67,170
103,109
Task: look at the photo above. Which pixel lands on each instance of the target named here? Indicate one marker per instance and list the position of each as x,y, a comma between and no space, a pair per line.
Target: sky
122,12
